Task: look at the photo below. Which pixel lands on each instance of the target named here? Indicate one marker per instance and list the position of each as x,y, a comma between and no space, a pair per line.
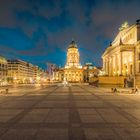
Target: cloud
8,52
14,38
109,15
42,29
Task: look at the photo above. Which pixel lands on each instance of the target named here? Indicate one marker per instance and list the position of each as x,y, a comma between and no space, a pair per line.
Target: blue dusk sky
39,31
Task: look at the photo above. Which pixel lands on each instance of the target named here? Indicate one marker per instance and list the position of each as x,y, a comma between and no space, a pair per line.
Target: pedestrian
115,90
6,90
136,90
112,89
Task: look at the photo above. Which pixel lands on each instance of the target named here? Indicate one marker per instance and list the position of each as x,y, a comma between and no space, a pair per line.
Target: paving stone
112,116
19,134
35,116
83,104
76,133
58,116
7,114
90,116
52,134
98,104
53,104
128,133
134,112
100,134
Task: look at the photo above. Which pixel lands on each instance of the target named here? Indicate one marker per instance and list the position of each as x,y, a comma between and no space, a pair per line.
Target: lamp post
87,74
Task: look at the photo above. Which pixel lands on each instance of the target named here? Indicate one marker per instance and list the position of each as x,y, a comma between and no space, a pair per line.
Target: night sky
39,31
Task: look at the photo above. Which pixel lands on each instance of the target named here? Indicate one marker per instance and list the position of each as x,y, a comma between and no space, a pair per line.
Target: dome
72,44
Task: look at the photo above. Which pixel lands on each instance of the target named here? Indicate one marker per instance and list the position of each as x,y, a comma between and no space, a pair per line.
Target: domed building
73,71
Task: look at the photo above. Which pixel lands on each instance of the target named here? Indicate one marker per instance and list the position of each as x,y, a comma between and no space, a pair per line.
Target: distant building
40,75
3,70
89,71
122,57
20,71
51,68
73,71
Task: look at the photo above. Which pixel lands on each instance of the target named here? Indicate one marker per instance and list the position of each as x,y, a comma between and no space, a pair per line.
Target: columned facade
122,57
119,63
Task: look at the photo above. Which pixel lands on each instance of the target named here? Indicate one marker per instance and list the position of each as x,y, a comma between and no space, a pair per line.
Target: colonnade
118,64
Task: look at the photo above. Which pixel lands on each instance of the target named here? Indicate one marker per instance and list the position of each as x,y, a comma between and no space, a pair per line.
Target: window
139,55
131,69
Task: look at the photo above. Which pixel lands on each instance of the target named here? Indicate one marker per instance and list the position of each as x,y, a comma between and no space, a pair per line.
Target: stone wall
137,81
109,81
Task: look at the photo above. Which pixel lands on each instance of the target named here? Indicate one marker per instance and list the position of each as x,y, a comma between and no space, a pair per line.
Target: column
104,66
111,65
134,63
108,66
121,63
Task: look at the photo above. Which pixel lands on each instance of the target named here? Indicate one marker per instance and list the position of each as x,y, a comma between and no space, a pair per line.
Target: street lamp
87,74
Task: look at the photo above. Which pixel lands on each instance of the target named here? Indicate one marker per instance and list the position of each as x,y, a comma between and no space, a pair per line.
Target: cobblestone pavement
69,113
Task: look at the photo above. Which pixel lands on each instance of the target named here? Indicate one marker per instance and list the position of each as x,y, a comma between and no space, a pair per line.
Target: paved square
69,113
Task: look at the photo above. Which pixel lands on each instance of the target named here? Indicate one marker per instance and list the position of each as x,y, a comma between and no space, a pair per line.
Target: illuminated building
41,75
3,70
20,71
89,71
51,68
122,57
73,71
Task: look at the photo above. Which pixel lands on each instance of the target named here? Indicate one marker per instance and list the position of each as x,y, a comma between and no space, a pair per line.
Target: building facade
23,72
3,70
122,57
20,71
89,72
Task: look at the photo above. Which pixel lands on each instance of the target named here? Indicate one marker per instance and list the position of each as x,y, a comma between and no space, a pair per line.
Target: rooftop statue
124,26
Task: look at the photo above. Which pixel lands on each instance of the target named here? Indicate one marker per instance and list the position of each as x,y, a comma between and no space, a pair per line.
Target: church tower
73,71
73,57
